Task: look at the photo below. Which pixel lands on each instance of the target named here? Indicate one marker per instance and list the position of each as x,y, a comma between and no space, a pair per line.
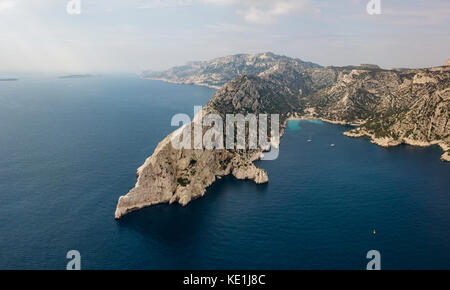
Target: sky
137,35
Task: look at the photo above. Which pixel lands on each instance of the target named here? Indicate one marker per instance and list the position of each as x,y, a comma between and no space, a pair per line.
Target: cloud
228,27
165,3
266,11
7,4
256,11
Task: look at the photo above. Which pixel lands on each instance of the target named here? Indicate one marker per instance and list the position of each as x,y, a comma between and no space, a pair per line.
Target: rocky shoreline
383,142
391,142
198,83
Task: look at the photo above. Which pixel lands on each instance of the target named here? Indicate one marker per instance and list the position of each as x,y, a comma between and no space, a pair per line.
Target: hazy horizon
132,36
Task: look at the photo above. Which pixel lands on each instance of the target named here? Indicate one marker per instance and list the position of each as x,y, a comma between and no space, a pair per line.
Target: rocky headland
391,107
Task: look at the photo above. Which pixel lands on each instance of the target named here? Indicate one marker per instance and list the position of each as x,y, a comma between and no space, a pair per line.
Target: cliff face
389,106
181,175
172,175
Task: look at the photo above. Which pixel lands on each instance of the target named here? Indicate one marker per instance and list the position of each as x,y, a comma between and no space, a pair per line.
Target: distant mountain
215,73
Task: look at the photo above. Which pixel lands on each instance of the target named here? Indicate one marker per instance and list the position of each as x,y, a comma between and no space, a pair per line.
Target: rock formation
181,175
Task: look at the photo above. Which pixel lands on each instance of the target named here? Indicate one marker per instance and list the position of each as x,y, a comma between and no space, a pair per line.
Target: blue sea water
70,147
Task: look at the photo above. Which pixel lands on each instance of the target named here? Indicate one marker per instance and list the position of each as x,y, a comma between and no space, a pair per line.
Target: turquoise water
293,125
314,121
70,147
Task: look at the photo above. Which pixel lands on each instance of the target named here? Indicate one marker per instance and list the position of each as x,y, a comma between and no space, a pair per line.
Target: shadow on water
175,225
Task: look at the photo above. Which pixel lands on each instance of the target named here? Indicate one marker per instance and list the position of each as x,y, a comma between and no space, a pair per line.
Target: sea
69,147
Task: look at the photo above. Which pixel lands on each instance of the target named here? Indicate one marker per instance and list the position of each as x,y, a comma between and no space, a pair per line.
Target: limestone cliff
181,175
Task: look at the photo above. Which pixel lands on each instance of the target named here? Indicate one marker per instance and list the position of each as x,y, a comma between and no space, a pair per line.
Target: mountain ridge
216,72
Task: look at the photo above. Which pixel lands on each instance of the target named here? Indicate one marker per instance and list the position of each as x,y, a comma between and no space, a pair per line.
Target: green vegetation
183,181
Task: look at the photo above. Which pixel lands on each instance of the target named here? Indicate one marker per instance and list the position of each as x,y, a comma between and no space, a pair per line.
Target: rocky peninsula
391,107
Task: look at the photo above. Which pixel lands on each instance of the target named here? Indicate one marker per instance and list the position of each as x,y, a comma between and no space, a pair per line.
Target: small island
76,76
8,80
